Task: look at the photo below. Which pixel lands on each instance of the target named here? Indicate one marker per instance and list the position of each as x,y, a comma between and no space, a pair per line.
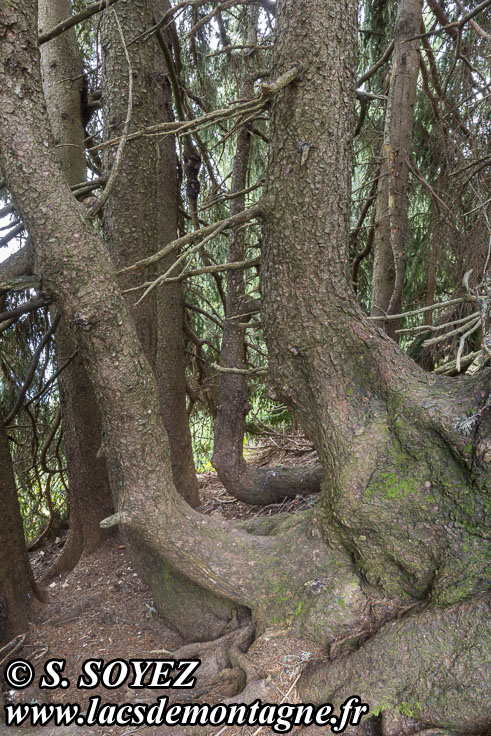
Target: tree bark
387,438
383,433
88,483
140,218
392,669
391,206
404,489
203,572
16,581
251,485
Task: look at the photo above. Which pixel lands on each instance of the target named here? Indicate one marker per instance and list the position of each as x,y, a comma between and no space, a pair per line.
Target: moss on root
433,666
414,516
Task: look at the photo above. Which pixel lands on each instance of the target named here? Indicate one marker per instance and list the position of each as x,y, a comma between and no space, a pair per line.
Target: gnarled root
430,667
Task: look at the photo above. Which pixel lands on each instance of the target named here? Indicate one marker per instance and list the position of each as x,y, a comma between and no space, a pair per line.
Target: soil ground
102,609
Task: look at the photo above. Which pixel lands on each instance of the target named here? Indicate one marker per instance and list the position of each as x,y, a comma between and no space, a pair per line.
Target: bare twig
215,116
201,234
36,303
239,47
436,328
216,268
375,67
441,305
472,321
240,371
11,235
473,23
51,380
473,328
456,24
161,279
32,368
74,20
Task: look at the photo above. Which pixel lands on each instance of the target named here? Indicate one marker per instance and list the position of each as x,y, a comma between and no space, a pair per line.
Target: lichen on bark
347,382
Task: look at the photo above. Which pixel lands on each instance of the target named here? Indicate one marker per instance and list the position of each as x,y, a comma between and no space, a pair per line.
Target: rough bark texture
391,207
203,571
246,483
16,581
60,64
386,436
400,669
140,218
90,494
403,491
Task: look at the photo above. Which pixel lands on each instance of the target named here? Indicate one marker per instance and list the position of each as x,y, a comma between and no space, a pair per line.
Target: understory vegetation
227,224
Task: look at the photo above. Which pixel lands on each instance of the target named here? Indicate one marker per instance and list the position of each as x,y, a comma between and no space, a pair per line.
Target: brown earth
103,610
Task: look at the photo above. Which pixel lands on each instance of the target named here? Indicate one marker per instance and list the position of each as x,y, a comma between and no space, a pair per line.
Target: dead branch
458,24
213,229
74,20
32,368
178,128
375,67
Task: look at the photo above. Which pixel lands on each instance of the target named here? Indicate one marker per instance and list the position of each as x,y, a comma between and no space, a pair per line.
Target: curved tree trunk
16,581
386,436
140,218
403,491
391,205
203,571
90,494
260,486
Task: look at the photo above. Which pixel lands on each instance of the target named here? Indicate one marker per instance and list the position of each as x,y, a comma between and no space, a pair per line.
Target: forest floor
103,610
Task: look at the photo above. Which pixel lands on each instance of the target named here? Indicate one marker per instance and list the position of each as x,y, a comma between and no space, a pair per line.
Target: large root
262,486
432,666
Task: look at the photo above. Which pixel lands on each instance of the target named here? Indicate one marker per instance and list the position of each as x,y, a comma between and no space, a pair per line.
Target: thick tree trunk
16,580
203,572
404,490
140,218
88,483
391,206
386,437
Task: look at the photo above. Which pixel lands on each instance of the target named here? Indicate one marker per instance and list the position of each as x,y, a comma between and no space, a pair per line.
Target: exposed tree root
262,486
430,666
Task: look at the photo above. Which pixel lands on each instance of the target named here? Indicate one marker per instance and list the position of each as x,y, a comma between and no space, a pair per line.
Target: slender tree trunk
16,581
391,205
90,495
141,218
246,483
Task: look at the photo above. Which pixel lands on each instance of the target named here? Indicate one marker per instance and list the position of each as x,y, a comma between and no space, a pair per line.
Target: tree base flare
432,666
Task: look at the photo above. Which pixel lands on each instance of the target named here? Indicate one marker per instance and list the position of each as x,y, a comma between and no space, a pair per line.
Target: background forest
165,121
